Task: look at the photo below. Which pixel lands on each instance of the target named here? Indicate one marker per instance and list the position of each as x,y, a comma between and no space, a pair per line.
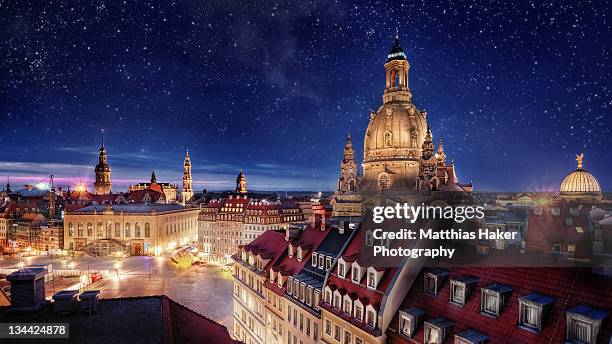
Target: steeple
187,192
428,145
8,184
153,177
441,154
102,185
241,183
349,154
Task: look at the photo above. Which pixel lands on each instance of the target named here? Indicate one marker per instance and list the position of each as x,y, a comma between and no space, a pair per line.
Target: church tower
241,183
102,185
347,201
187,192
348,169
395,133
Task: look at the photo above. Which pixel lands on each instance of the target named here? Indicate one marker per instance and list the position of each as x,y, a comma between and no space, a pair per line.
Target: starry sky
514,89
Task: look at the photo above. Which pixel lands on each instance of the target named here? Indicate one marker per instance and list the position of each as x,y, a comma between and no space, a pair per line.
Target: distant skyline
514,90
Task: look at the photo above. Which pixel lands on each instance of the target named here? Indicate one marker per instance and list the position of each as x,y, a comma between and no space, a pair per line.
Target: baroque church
399,153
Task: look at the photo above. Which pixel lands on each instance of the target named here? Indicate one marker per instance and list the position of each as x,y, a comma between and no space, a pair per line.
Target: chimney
27,289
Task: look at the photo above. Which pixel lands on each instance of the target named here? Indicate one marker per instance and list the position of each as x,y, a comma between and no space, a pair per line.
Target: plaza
203,289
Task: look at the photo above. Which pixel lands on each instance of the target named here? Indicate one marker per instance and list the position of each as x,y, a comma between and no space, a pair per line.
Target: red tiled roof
567,286
547,229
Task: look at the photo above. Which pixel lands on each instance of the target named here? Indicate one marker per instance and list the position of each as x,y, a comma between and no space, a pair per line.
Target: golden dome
580,182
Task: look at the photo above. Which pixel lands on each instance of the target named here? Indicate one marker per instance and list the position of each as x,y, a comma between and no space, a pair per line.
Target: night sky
515,90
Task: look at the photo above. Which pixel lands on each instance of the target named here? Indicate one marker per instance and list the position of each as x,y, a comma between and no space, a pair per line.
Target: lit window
347,337
328,263
584,324
314,260
533,311
337,332
461,288
493,298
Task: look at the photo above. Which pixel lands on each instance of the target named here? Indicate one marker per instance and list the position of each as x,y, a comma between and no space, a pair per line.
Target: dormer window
328,296
493,298
341,269
471,337
280,280
321,261
356,273
434,280
533,311
271,275
290,286
314,260
410,320
299,254
370,316
369,238
290,253
347,305
358,311
328,262
437,330
371,279
337,299
461,288
583,324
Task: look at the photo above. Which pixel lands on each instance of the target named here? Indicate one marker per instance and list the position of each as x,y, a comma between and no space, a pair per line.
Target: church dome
580,183
397,131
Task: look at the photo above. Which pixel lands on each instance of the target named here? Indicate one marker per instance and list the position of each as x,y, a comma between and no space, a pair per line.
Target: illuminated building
580,185
102,185
187,193
168,190
347,199
134,228
399,153
237,218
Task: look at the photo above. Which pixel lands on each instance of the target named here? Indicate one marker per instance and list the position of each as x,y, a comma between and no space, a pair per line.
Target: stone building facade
134,228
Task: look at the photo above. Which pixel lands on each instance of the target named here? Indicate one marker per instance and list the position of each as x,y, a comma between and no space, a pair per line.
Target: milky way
515,90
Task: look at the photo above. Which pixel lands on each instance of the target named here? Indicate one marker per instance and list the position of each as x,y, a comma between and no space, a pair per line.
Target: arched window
80,230
70,229
89,229
147,230
383,182
117,229
109,227
99,229
351,185
396,78
388,138
137,230
127,230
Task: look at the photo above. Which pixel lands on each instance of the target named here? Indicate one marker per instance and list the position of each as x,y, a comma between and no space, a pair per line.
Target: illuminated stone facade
137,229
347,199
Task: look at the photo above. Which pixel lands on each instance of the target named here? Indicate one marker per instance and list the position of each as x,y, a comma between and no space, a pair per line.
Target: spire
441,154
153,177
102,133
8,184
396,53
